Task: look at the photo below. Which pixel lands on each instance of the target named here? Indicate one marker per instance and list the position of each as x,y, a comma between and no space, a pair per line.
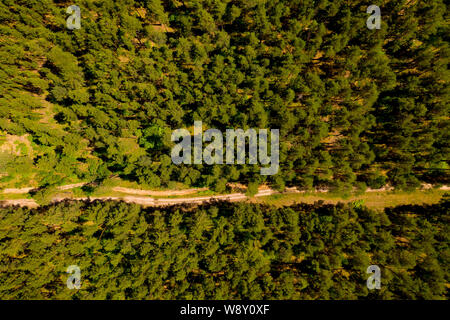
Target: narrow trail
28,189
156,193
165,193
160,202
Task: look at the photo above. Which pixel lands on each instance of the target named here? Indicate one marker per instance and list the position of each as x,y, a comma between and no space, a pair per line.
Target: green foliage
224,251
43,196
358,204
352,104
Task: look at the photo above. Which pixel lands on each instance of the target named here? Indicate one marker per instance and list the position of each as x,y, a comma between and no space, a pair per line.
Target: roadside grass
14,196
106,191
118,182
102,191
202,193
373,200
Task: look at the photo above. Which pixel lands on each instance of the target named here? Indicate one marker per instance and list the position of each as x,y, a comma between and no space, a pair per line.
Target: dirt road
148,201
145,201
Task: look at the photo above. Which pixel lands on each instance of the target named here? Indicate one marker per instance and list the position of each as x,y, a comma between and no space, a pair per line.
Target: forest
224,251
93,107
356,108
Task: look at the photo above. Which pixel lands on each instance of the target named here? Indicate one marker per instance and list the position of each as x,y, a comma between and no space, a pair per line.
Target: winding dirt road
145,201
148,201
